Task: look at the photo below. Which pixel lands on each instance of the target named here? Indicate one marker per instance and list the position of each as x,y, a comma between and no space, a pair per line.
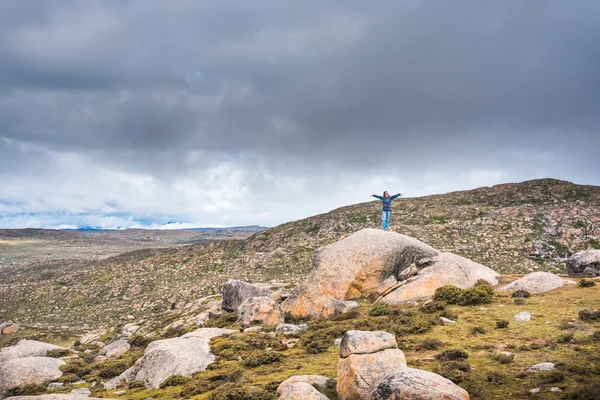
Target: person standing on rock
386,203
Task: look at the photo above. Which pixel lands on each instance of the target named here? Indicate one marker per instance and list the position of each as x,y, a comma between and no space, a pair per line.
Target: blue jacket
386,203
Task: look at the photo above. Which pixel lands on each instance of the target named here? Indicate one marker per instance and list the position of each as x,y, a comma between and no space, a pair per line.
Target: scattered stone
27,371
415,384
555,389
214,315
570,282
280,294
545,366
535,390
359,374
523,316
584,264
112,384
235,292
10,329
100,358
259,310
536,282
254,329
291,329
337,342
129,330
340,307
92,337
27,348
115,349
447,320
319,382
301,391
55,385
366,342
84,392
56,396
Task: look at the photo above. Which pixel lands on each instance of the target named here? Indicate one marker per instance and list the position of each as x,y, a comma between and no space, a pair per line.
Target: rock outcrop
437,271
27,348
235,292
416,384
259,310
359,373
177,356
536,282
291,329
57,396
584,264
28,371
115,349
354,267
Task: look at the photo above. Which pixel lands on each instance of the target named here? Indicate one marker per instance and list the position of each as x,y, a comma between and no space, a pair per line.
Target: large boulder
360,372
28,371
177,356
536,282
301,391
584,264
27,348
437,271
115,349
259,310
235,292
359,265
416,384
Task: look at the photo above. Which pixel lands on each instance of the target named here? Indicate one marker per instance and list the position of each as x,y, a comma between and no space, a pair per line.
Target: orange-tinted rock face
356,266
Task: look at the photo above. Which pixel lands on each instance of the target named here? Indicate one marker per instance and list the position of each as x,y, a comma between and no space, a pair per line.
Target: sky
191,113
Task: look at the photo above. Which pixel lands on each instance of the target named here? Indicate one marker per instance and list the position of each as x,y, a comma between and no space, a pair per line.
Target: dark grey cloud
295,91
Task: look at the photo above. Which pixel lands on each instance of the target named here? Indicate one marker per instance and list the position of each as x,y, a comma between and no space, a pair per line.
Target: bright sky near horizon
146,113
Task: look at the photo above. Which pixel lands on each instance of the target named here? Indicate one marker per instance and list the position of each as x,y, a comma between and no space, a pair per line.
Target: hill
512,228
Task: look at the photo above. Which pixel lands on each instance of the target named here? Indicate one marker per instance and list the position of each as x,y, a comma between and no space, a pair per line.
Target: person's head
386,194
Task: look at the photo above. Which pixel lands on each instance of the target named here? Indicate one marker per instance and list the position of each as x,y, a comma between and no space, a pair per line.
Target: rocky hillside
511,228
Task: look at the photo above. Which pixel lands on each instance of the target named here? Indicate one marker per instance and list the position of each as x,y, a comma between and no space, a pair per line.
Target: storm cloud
129,113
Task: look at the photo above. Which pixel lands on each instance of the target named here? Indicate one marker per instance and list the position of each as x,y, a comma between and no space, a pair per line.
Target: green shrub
502,324
430,344
503,358
379,309
139,341
454,354
477,330
521,294
481,293
240,344
135,384
261,358
449,294
548,377
205,381
57,353
596,336
565,338
176,331
449,314
497,378
289,318
585,392
225,320
433,306
76,367
111,369
69,378
586,283
456,371
352,314
236,391
174,380
587,315
25,390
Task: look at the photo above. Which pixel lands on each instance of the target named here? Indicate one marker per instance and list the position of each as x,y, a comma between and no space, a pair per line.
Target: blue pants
385,220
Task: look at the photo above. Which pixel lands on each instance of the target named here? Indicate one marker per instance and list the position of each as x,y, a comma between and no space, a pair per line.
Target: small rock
301,391
55,385
280,294
82,392
10,329
555,389
100,358
254,329
115,349
319,382
259,310
291,329
545,366
129,329
535,390
337,342
536,282
523,316
366,342
447,321
120,392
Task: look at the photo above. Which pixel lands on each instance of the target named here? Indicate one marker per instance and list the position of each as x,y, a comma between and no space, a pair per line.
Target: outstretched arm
377,197
396,195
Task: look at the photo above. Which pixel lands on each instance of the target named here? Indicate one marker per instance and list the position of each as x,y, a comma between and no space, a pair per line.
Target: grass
485,374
